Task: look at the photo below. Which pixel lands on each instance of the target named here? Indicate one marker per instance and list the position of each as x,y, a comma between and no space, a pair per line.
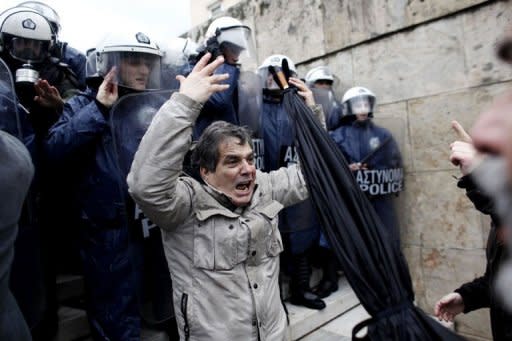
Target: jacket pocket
273,242
219,243
184,312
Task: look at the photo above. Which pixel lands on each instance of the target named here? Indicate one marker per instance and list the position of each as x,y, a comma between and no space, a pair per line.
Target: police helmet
136,57
317,74
276,61
233,38
26,35
46,11
359,100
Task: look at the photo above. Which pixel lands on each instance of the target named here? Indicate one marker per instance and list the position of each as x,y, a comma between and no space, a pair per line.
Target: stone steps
304,321
73,323
69,287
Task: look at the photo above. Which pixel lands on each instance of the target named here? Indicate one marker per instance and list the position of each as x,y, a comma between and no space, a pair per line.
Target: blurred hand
449,306
304,91
463,153
48,96
108,91
461,133
201,83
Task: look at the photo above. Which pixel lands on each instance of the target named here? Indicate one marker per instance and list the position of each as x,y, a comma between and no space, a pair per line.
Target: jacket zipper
186,329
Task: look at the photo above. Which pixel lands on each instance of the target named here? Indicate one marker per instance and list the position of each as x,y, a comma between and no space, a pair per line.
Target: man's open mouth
243,186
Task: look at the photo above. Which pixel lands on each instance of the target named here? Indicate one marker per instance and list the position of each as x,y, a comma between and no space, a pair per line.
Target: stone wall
429,62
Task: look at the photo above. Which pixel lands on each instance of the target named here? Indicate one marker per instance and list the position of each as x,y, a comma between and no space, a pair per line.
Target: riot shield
177,53
326,98
130,118
9,118
381,160
249,111
376,147
28,268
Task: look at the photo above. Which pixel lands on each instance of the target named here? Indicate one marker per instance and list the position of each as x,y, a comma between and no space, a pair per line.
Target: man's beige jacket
224,264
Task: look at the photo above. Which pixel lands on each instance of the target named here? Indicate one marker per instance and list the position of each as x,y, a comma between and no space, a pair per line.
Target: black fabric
374,266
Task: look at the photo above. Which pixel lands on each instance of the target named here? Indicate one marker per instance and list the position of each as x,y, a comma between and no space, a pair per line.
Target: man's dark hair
206,153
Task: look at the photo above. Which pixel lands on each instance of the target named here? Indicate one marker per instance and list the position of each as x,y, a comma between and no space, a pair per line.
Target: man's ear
204,173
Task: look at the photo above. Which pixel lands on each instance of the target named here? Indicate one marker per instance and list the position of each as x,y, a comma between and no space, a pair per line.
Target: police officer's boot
301,293
329,282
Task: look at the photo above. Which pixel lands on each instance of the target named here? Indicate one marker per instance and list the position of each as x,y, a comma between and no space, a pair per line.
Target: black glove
212,46
287,72
286,69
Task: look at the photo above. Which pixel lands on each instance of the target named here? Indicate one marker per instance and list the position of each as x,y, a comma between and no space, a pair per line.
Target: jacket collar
212,202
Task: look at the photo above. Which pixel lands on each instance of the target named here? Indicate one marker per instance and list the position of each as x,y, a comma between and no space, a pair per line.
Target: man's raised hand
201,83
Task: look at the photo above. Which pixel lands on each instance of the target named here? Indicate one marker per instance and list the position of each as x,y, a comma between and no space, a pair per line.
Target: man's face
27,49
270,83
323,84
235,174
231,53
360,106
134,71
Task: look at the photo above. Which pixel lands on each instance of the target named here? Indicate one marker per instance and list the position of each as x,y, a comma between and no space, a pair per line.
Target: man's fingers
110,75
455,160
437,309
210,68
219,87
296,82
202,62
461,133
180,78
218,78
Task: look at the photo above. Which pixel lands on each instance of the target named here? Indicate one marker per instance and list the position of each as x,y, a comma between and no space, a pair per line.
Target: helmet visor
361,105
135,70
237,46
29,50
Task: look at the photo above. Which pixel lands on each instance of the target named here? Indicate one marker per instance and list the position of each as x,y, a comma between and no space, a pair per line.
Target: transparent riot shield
329,103
377,150
130,118
9,118
176,60
381,160
249,111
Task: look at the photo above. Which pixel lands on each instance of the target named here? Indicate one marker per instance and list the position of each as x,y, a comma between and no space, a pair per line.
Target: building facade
428,62
204,10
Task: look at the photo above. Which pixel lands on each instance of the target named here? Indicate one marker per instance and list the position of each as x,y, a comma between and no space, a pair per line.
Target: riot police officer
373,155
61,50
297,223
81,142
42,82
228,37
26,39
320,79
